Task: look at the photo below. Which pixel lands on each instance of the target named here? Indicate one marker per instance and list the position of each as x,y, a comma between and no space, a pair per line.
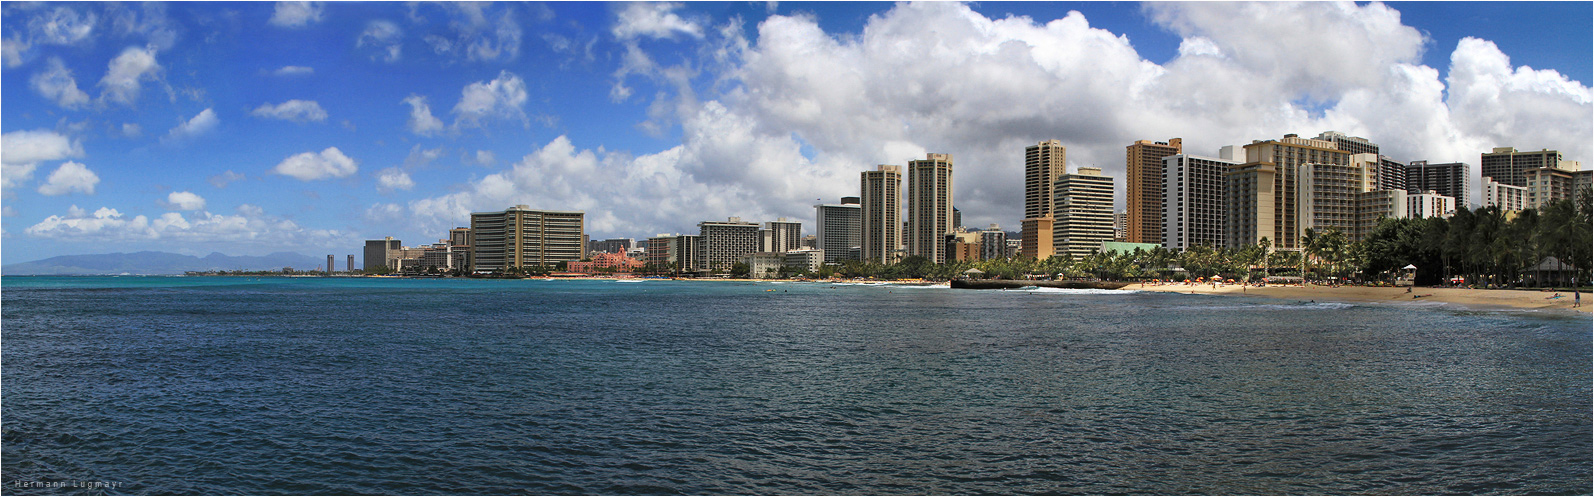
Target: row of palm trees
1487,246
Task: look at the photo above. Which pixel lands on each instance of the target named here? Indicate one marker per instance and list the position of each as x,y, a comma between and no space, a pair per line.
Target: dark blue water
365,386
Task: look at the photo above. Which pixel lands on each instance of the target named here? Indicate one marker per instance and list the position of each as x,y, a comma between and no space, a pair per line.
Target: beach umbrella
1410,266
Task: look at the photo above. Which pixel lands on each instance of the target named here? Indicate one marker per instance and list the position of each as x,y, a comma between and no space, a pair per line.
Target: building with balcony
521,237
1083,212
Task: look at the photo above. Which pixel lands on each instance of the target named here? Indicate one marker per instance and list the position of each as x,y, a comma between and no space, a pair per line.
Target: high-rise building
1143,188
1263,194
1349,144
1507,165
1374,205
459,239
838,228
1120,226
1507,197
610,246
1430,204
439,255
783,236
351,263
881,194
1043,163
660,251
929,199
723,243
1328,193
1082,210
1548,184
1391,174
329,265
993,243
1452,180
686,249
380,252
1582,181
520,237
1036,237
1194,198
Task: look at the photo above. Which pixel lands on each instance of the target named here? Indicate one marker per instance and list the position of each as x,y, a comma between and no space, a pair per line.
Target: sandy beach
1518,299
1514,299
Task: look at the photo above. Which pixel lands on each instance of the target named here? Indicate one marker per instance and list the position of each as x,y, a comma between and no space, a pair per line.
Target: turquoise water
355,386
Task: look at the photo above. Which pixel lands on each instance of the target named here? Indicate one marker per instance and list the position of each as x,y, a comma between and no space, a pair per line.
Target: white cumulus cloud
385,38
31,146
477,31
795,112
654,20
57,84
203,122
296,14
422,122
62,26
294,71
243,230
394,178
12,50
70,177
14,175
126,73
292,110
188,201
309,166
503,97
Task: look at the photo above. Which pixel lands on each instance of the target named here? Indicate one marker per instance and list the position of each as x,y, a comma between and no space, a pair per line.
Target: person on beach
1577,299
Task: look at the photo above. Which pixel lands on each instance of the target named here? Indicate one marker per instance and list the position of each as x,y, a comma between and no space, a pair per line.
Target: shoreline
1535,300
1477,298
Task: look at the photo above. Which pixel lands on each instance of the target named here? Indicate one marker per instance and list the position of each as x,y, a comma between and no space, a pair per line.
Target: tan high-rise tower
1043,163
1265,192
929,206
881,199
1143,191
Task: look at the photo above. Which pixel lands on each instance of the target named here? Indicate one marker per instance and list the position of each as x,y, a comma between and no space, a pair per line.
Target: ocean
266,386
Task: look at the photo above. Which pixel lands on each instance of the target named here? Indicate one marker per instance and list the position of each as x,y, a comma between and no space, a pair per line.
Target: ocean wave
1074,291
1308,305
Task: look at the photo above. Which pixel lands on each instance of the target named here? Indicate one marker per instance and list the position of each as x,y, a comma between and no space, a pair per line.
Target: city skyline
168,127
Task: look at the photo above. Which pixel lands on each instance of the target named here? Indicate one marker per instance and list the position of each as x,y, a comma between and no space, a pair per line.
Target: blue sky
249,128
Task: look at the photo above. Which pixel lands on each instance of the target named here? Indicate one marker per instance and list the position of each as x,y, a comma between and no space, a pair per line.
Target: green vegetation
1485,247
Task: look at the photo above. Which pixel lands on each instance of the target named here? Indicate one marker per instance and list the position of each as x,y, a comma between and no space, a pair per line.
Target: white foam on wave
1299,306
1073,291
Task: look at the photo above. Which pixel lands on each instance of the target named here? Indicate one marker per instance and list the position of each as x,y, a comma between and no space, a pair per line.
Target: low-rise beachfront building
612,262
764,264
805,259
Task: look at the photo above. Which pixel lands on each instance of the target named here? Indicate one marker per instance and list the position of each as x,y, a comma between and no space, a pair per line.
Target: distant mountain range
158,263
